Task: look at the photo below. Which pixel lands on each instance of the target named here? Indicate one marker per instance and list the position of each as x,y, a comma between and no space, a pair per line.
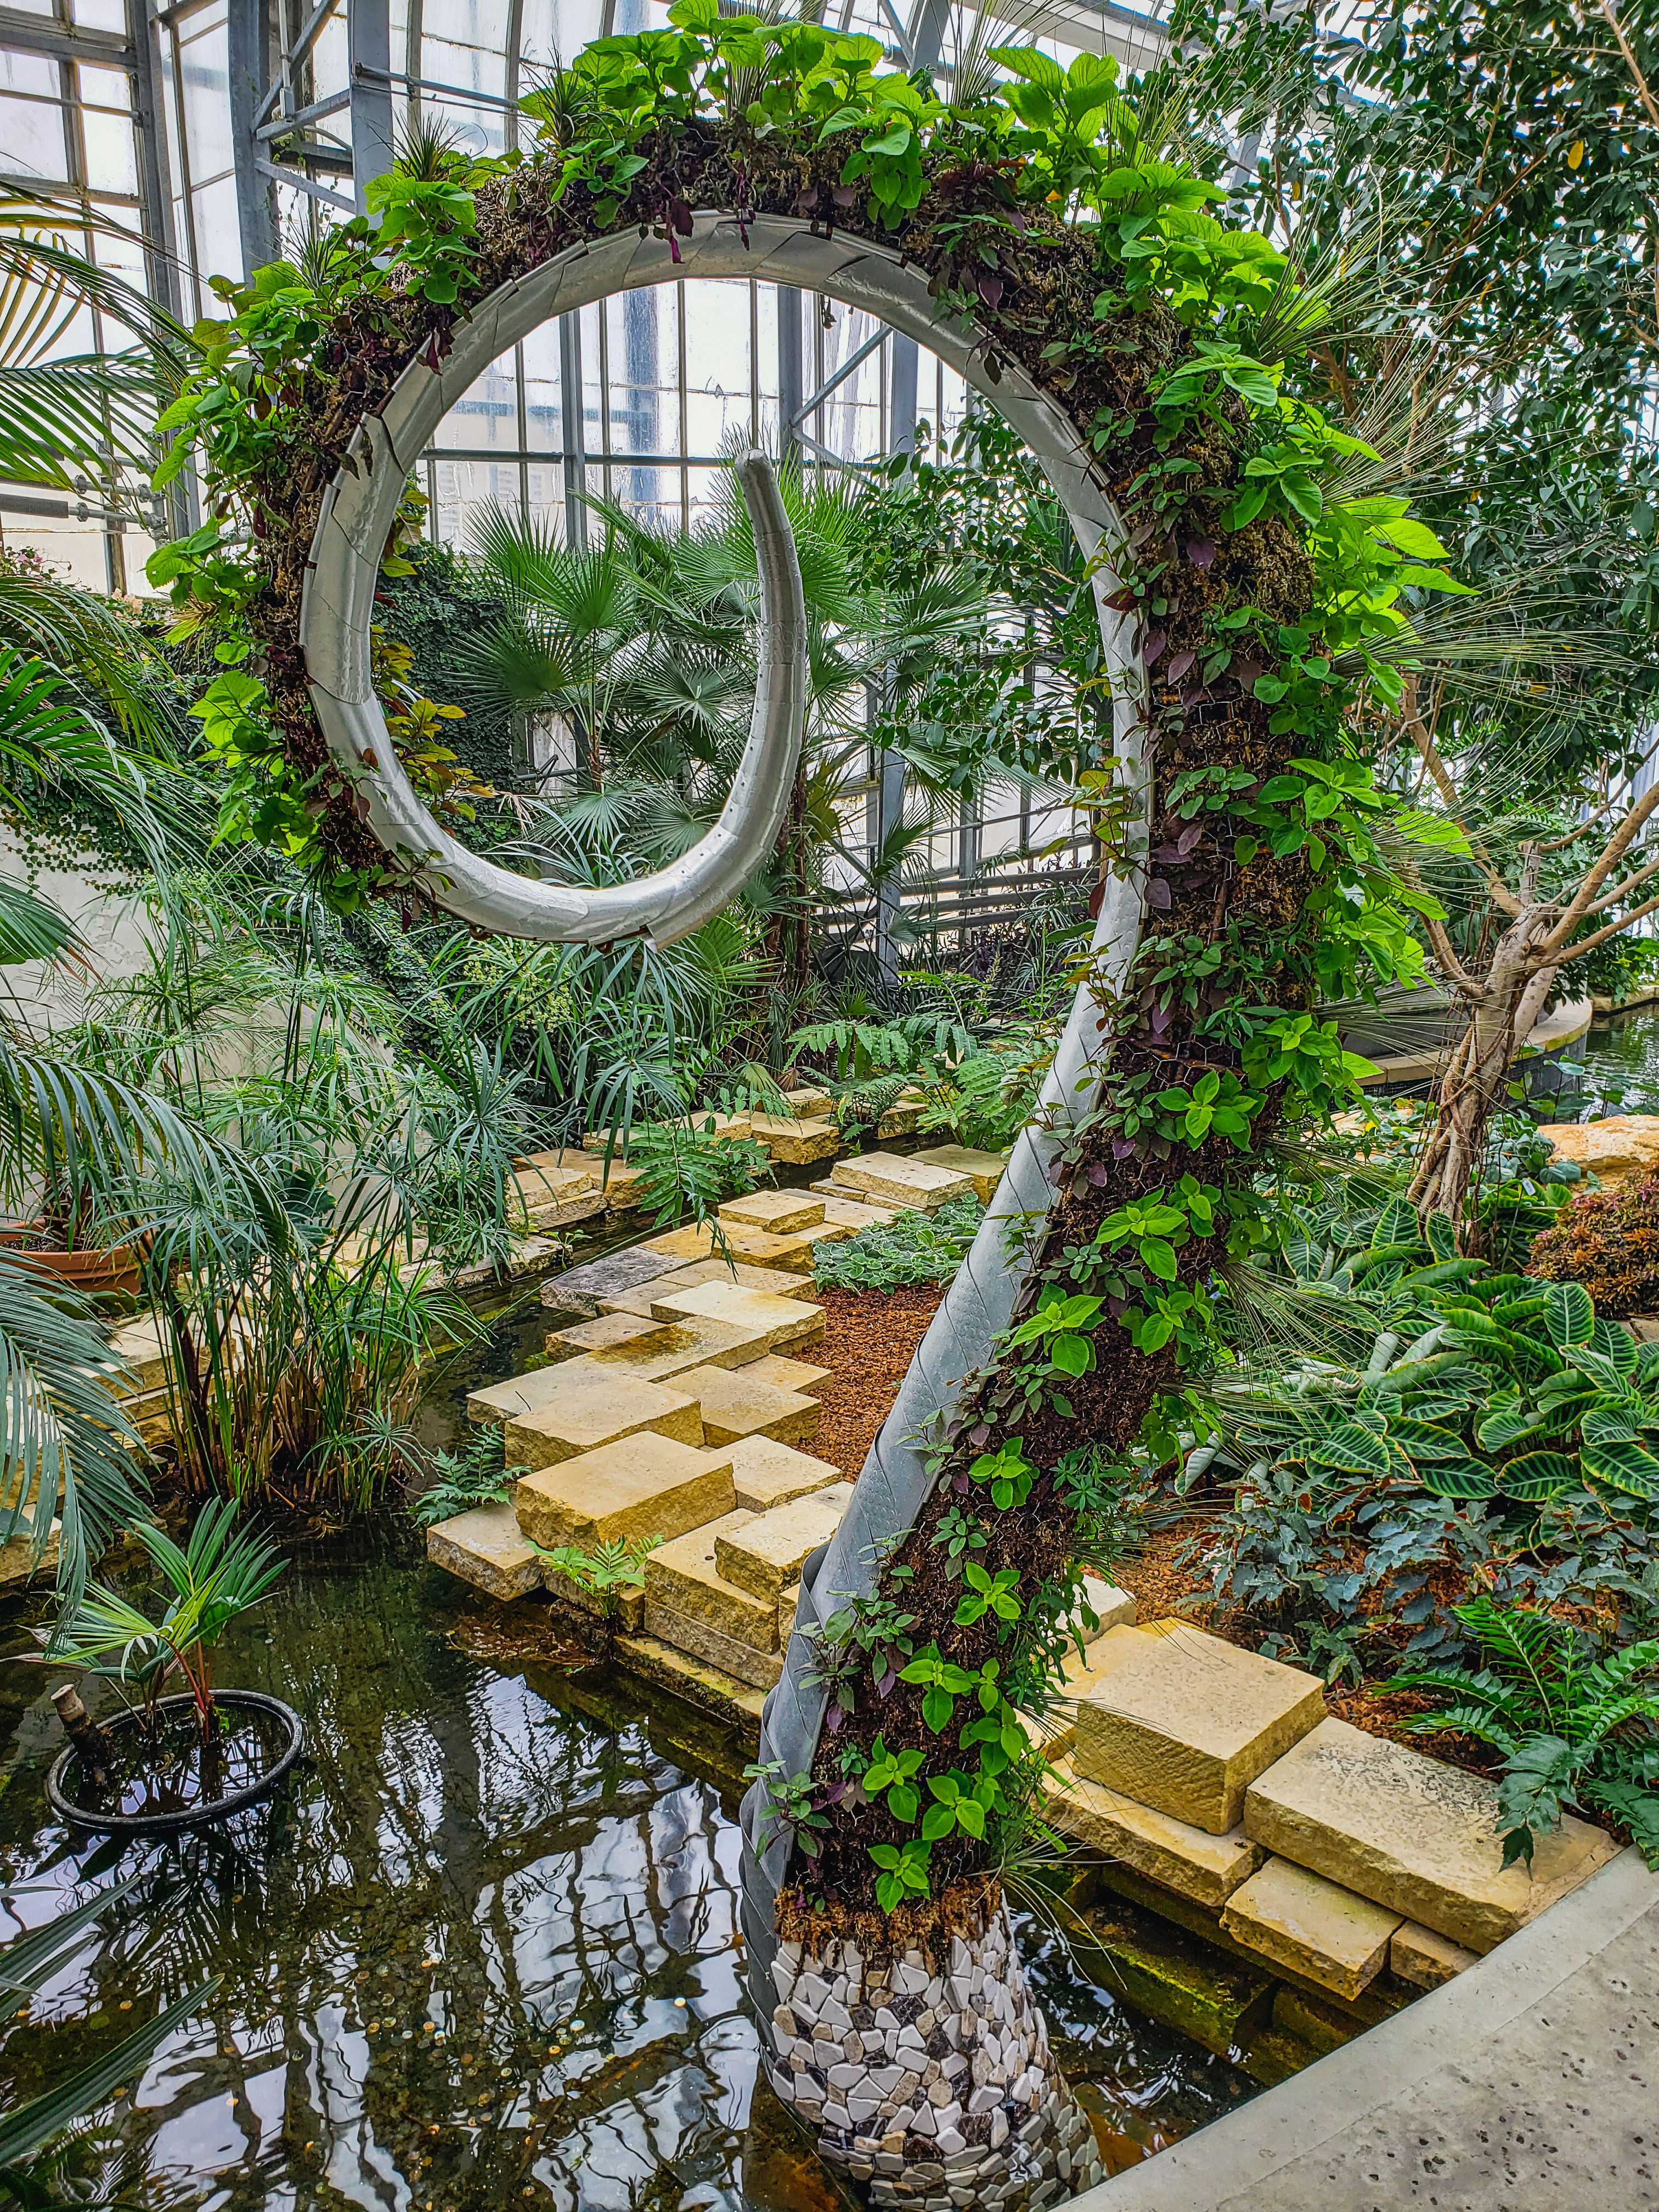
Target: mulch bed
869,1337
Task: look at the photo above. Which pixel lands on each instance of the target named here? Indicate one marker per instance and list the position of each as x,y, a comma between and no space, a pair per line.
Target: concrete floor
1531,2081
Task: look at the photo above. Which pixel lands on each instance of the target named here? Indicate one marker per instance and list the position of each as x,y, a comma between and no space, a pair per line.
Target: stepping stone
1298,1920
623,1606
758,1247
562,1157
602,1334
545,1186
787,1603
595,1415
767,1473
486,1546
543,1220
18,1567
1417,1954
646,1485
982,1169
901,1117
1102,1656
777,1211
852,1213
796,1144
779,1322
620,1184
1172,1853
139,1343
735,1403
693,1342
683,1577
783,1281
1112,1609
1414,1835
683,1632
579,1289
809,1104
694,1681
892,1180
1187,1725
702,1122
788,1374
767,1554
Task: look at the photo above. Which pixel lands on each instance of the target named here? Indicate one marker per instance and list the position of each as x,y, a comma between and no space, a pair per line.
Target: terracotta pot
89,1271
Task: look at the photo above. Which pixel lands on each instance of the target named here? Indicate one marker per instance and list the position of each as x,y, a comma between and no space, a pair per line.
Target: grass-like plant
1573,1730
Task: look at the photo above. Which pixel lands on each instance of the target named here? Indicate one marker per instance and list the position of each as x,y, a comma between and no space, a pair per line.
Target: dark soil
869,1339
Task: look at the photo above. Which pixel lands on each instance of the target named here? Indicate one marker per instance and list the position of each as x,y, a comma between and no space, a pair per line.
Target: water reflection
484,1951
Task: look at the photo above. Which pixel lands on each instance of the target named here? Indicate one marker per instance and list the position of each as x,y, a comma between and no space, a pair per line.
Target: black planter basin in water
158,1787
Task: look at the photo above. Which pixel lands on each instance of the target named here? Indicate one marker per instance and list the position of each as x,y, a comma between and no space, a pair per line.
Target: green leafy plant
606,1572
217,1577
473,1475
1574,1729
912,1247
685,1168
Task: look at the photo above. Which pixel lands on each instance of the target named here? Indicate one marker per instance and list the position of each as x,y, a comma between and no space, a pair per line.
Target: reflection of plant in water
37,2138
606,1571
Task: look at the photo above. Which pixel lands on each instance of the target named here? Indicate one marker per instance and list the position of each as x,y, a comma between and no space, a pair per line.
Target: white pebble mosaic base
934,2090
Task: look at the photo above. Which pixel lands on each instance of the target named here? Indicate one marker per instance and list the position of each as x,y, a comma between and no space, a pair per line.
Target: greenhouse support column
368,49
246,33
574,427
889,819
791,380
161,263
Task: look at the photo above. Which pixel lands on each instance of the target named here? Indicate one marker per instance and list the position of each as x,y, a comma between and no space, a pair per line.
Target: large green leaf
1464,1478
1625,1466
1615,1344
1504,1424
1537,1475
1395,1224
1353,1450
1426,1440
1569,1315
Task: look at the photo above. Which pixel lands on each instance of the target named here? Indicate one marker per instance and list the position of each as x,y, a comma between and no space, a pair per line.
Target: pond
1620,1058
484,1949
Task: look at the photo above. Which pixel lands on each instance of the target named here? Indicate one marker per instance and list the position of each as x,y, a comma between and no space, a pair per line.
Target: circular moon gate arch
353,526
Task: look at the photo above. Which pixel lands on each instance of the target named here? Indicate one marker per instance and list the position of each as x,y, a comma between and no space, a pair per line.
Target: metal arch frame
358,509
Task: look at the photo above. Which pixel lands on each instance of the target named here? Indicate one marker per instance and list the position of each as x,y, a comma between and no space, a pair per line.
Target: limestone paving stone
18,1565
657,1358
756,1246
900,1118
767,1554
562,1158
759,1670
711,1689
1298,1919
539,1187
789,1374
1172,1853
646,1485
604,1412
809,1103
139,1344
983,1169
577,1290
777,1211
782,1281
1417,1954
736,1403
767,1473
486,1546
1413,1834
605,1331
1057,1731
891,1178
683,1576
779,1322
787,1600
798,1143
852,1213
1187,1725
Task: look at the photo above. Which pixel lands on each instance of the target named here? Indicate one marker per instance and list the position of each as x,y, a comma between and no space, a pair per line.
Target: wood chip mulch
869,1337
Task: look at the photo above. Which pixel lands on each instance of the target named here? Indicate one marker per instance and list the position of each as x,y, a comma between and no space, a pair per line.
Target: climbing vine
1271,609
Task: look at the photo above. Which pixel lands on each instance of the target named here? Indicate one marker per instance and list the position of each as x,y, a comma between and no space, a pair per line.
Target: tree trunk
1474,1087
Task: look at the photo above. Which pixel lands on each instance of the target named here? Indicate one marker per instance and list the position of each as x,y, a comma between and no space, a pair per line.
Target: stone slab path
1529,2084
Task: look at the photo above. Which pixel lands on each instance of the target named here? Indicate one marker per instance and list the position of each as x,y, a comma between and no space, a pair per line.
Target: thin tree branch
1612,853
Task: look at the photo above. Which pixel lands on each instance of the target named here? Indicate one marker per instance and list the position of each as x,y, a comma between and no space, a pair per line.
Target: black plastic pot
192,1816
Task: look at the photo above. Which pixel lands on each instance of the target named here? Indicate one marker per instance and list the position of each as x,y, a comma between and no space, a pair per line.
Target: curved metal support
661,907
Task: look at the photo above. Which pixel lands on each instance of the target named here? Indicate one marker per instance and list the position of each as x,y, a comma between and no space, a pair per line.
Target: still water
484,1951
1621,1061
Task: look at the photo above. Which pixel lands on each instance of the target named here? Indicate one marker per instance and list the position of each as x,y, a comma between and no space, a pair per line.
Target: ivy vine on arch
1268,594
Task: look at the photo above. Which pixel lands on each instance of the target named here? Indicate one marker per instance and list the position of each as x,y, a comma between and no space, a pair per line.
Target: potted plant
56,1242
169,1760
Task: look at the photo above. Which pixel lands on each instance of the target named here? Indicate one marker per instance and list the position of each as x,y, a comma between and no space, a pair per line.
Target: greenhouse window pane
204,77
556,29
31,116
488,416
544,411
462,488
717,365
100,15
112,151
